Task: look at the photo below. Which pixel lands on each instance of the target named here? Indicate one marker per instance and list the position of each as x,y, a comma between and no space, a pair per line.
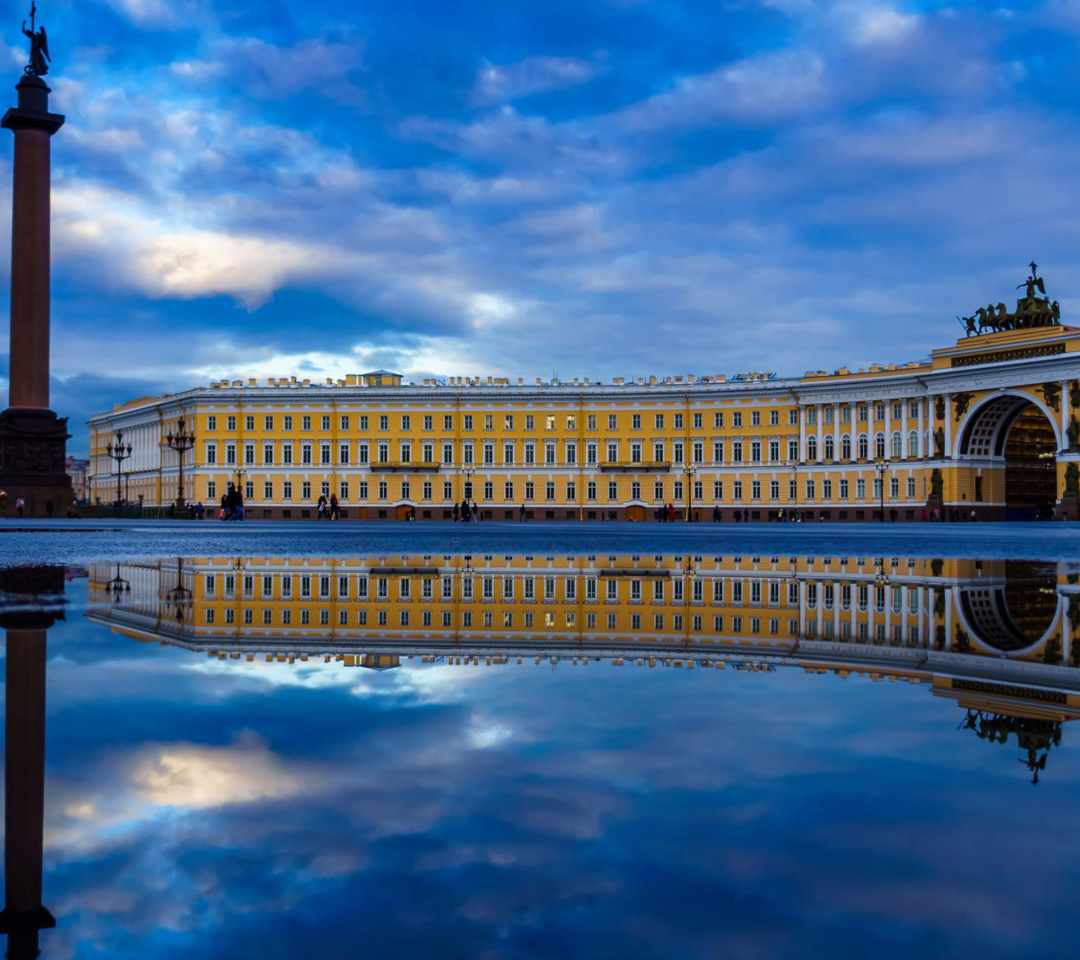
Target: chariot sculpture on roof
1031,310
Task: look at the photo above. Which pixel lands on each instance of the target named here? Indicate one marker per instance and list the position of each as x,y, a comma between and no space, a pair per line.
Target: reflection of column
24,792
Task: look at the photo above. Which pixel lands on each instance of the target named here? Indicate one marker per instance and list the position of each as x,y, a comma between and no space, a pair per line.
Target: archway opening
1030,466
1015,446
1014,611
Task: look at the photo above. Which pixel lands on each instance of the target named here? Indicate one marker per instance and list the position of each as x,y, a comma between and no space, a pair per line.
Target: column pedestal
33,447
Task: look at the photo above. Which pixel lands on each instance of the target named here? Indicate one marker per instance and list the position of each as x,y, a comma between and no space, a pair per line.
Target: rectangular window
635,421
612,421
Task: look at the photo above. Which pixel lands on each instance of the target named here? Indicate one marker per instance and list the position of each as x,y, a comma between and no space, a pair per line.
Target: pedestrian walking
334,509
49,509
522,516
20,503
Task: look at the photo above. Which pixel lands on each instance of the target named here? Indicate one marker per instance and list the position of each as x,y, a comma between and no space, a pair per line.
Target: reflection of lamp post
179,597
689,470
119,451
117,586
181,442
881,465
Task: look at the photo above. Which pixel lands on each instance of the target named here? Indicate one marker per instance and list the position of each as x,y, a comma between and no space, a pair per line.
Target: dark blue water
198,806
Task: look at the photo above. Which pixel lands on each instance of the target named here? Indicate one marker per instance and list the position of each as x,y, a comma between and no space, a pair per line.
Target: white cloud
157,13
872,25
757,90
499,83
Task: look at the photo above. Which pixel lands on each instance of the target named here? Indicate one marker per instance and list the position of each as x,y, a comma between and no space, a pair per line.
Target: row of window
506,619
755,592
568,620
487,421
737,448
508,421
662,491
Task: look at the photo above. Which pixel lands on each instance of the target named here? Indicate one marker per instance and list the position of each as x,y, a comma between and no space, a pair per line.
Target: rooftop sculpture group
1031,311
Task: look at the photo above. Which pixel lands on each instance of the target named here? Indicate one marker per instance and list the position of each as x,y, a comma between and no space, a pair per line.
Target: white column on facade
888,429
820,432
922,426
904,427
948,424
836,431
1065,413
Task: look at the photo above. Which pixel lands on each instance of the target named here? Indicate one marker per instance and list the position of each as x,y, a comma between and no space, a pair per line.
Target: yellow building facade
984,429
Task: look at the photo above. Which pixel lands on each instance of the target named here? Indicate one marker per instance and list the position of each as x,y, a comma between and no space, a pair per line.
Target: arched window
897,446
913,444
879,446
811,448
845,446
830,449
864,449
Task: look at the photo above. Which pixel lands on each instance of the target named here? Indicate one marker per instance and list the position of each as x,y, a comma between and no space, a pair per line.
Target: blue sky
599,188
524,812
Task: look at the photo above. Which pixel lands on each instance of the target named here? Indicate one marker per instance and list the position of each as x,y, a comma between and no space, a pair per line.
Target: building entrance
1016,447
1030,467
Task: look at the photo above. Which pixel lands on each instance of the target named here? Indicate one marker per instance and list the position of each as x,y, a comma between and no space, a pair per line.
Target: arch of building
985,427
1007,473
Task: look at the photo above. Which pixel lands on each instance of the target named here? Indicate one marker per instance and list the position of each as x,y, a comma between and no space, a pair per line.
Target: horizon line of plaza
986,427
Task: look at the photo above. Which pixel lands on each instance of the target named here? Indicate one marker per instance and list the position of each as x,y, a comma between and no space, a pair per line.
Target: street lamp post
467,472
689,470
181,441
881,465
118,451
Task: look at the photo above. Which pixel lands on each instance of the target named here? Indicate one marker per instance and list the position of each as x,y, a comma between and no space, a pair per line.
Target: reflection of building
996,637
988,425
992,623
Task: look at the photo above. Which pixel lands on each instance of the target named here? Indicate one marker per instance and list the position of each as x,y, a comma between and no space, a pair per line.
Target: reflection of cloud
522,812
194,776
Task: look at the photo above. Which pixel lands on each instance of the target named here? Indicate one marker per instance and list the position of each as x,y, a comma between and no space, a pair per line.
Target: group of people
328,509
20,504
232,504
466,512
20,507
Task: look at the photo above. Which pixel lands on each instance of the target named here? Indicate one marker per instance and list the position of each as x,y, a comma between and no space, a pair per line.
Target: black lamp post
182,440
118,451
881,465
689,470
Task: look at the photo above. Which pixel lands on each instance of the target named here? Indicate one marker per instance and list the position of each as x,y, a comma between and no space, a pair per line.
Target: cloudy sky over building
598,188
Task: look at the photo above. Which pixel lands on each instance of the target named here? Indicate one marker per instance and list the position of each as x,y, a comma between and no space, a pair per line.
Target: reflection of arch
1016,616
982,433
